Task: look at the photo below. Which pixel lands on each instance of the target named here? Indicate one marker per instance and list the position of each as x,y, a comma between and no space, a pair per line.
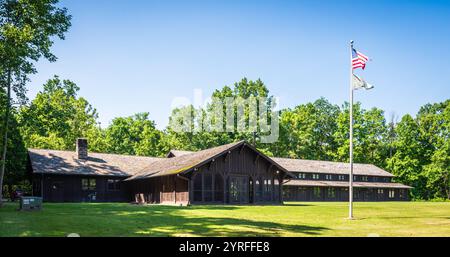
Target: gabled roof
310,166
67,163
189,161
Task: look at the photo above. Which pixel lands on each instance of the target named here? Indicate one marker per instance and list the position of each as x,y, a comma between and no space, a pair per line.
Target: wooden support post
191,190
175,189
203,186
280,187
256,159
254,189
224,188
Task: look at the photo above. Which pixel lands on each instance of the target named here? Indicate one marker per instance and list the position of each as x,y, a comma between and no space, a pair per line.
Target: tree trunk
5,136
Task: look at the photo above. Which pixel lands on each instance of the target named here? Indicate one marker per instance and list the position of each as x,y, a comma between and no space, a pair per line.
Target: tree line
415,149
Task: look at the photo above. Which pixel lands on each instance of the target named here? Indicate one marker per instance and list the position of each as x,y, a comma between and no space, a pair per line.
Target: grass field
293,219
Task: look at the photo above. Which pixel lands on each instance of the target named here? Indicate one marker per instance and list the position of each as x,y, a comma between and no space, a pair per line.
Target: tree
307,131
434,125
438,173
15,166
202,127
369,134
246,93
27,30
57,117
135,135
407,161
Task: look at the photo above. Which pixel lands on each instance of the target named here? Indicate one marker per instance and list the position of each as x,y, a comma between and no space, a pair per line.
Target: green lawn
293,219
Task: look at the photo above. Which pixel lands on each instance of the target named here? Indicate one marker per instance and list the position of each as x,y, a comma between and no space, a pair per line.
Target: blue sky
136,56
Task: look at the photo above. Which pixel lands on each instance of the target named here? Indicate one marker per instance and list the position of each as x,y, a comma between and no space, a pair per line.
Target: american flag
358,59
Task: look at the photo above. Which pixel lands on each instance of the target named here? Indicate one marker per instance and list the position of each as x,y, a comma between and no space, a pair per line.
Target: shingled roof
67,163
176,153
188,161
310,166
136,167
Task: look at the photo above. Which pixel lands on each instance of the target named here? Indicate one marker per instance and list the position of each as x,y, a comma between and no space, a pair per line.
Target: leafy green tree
407,161
135,135
307,131
57,117
434,125
15,166
370,134
253,92
27,31
438,173
97,139
198,132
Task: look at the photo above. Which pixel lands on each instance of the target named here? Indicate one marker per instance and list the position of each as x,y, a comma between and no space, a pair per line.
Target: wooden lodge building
235,173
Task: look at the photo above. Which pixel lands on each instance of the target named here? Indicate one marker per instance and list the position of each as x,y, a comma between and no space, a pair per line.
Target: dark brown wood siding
241,176
66,188
309,193
166,189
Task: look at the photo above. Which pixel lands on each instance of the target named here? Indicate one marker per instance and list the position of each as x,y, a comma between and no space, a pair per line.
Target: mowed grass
291,219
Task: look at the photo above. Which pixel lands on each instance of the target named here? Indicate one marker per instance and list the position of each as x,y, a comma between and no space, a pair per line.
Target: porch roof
329,167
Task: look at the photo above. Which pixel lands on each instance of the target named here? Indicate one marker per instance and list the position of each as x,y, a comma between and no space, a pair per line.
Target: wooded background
414,148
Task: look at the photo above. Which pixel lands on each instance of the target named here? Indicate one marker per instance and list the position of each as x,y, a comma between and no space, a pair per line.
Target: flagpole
350,191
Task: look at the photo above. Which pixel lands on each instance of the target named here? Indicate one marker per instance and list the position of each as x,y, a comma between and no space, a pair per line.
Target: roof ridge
287,158
112,154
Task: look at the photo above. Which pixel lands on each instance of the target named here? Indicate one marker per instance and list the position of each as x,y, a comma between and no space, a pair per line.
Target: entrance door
57,191
239,193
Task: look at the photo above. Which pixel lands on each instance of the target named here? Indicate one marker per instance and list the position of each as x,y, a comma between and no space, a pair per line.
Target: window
198,187
276,185
391,193
380,191
207,187
331,192
259,189
88,184
364,178
317,193
341,177
218,187
113,184
328,177
315,176
268,189
301,175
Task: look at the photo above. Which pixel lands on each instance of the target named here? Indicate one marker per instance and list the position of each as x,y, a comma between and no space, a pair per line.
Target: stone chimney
82,148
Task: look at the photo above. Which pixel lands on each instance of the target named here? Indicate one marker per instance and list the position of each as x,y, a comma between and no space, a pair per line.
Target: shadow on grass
297,204
173,221
111,219
228,227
